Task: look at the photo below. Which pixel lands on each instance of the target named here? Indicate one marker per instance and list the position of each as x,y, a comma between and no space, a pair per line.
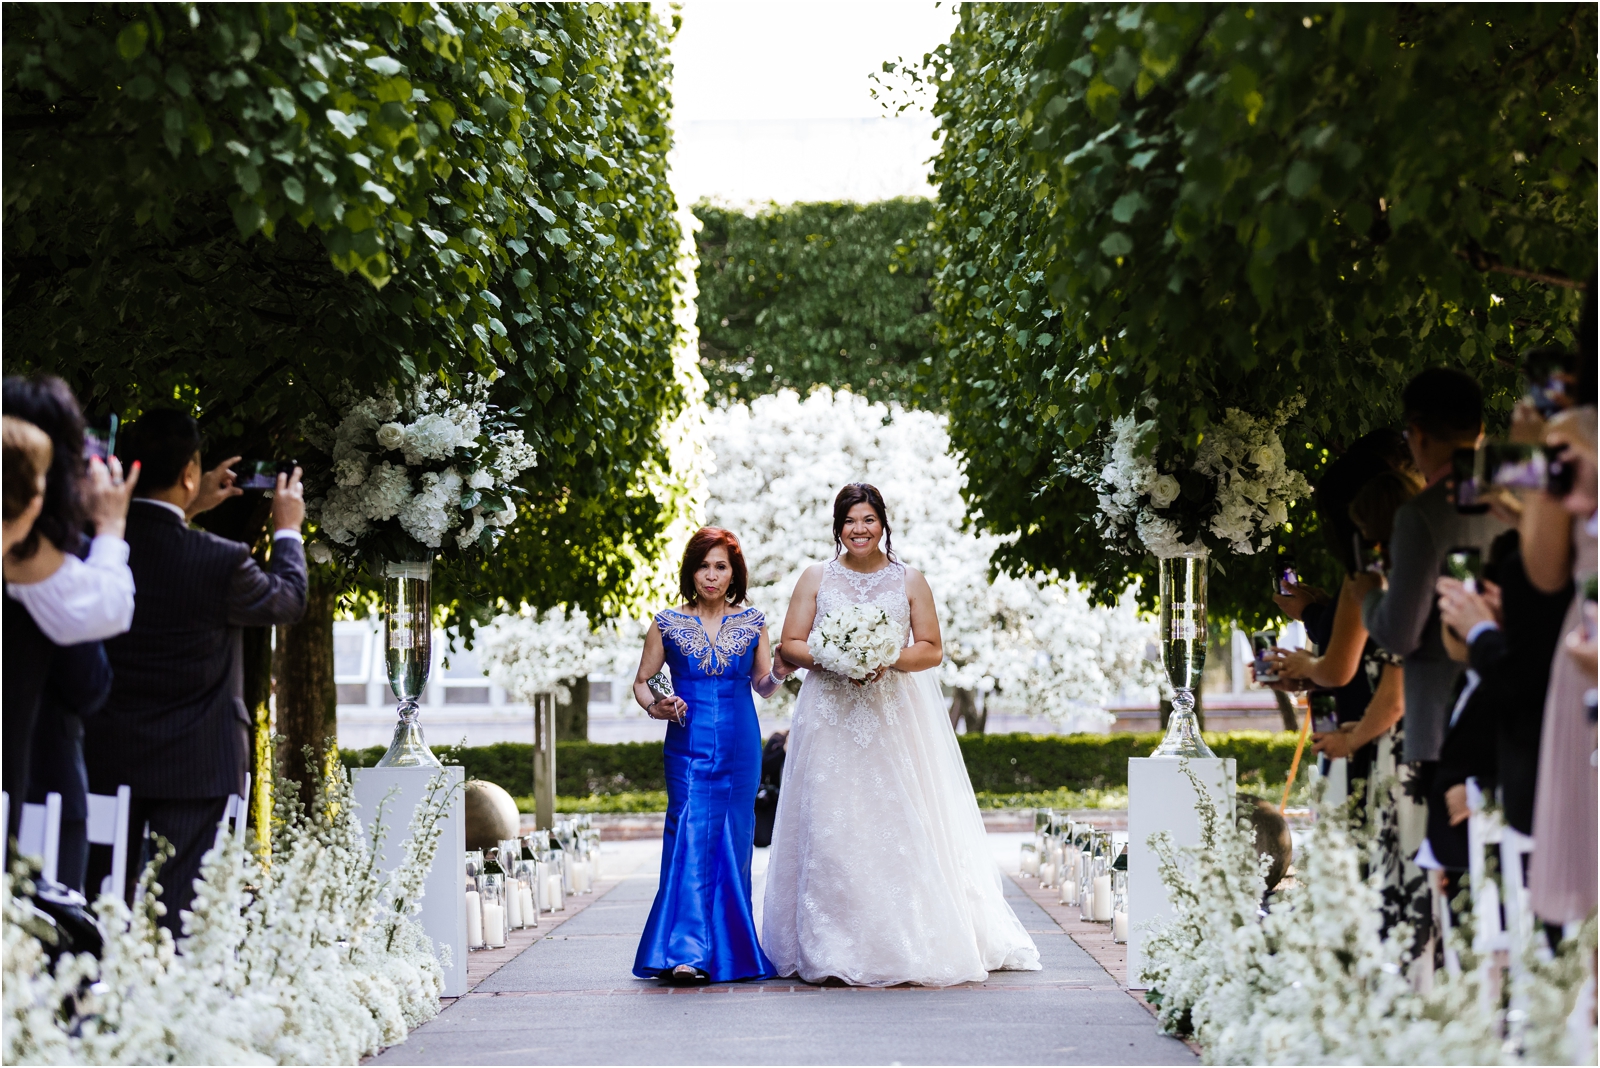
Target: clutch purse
660,685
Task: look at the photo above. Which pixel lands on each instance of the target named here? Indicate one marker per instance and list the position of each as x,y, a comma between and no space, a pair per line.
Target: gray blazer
1404,619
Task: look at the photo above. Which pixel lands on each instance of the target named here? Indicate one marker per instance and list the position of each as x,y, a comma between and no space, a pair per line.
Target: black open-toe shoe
686,975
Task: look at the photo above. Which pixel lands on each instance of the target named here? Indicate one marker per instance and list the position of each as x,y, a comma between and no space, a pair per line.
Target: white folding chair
108,825
39,833
238,810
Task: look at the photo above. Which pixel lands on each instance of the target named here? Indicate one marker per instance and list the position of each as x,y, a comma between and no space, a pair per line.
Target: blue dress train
702,913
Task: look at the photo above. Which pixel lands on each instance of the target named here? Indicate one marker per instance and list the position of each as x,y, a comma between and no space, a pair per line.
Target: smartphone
1464,562
1368,555
101,446
1262,643
1285,576
1467,476
1324,713
261,474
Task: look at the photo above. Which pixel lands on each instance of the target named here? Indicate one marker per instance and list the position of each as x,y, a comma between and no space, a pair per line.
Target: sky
772,100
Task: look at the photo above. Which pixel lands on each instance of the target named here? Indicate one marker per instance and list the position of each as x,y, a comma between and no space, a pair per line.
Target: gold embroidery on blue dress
733,640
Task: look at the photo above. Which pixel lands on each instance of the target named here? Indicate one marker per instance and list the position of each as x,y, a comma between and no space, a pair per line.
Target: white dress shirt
83,600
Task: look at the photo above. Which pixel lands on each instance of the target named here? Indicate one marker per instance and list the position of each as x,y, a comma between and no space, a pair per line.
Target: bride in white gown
880,870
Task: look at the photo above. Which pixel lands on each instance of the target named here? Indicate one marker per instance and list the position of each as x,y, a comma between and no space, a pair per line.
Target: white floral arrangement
1313,979
311,956
407,474
856,641
1228,494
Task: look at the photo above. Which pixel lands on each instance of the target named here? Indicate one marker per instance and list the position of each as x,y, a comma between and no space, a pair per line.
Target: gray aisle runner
570,999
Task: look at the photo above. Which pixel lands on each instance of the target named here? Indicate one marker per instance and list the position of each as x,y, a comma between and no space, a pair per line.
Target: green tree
833,293
1187,207
247,207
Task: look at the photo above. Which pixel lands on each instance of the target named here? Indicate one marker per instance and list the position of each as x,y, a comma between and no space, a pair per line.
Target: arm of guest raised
1338,663
258,596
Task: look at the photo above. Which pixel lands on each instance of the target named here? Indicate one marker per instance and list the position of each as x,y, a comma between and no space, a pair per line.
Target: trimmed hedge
997,763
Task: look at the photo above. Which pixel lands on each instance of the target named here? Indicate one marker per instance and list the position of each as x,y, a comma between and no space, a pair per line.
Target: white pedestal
444,900
1161,798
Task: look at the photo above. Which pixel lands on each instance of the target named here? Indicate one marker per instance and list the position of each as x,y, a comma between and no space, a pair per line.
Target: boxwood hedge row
996,762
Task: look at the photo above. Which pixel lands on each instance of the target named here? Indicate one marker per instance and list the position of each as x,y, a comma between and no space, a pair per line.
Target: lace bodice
885,588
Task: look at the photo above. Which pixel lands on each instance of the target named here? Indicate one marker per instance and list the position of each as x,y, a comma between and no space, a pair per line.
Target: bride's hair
694,554
860,493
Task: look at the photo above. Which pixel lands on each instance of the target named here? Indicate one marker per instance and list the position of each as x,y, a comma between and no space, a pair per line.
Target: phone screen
261,474
1464,473
1465,563
1284,578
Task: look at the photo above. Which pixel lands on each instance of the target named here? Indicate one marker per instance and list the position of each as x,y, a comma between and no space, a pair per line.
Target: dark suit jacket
176,725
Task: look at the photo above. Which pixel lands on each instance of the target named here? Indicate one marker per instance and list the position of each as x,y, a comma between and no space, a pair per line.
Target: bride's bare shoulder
810,578
916,583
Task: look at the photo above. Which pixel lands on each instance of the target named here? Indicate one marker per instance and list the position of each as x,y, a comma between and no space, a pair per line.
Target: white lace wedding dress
880,870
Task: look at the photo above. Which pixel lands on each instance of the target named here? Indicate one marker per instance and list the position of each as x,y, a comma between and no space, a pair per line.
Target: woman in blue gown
701,928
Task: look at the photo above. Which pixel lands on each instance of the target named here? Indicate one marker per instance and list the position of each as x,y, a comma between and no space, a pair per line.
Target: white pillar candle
530,912
580,877
1102,898
552,892
1069,891
1047,875
1119,926
513,906
474,920
594,864
494,924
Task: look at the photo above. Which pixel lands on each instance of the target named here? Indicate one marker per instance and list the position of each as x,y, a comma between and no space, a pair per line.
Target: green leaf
1302,178
131,41
1116,244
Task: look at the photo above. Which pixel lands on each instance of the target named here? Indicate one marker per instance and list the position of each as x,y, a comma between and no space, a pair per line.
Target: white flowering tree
555,652
1026,644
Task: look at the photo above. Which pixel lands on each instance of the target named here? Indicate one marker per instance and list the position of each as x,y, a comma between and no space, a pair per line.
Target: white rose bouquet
856,641
405,475
1229,494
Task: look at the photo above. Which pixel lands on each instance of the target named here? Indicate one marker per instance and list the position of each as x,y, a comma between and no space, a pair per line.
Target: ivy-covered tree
246,208
829,294
1181,208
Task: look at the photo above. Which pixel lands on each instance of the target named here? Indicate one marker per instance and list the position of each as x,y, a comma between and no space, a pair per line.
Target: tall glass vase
1183,650
408,656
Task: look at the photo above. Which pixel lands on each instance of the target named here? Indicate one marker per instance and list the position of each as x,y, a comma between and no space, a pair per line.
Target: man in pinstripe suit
176,728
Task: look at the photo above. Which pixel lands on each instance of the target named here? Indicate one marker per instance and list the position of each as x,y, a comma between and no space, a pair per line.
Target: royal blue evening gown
702,914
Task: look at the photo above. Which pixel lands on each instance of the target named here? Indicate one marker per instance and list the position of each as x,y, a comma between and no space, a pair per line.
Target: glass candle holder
1030,858
492,895
1119,906
523,886
1101,895
509,851
553,880
1069,873
474,876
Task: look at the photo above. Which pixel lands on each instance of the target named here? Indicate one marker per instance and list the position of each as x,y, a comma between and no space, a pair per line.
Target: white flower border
310,957
1313,980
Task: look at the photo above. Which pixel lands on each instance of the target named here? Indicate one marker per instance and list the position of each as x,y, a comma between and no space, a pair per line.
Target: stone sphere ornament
491,814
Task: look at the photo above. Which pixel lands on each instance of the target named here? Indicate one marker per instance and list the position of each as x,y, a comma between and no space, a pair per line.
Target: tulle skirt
880,871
